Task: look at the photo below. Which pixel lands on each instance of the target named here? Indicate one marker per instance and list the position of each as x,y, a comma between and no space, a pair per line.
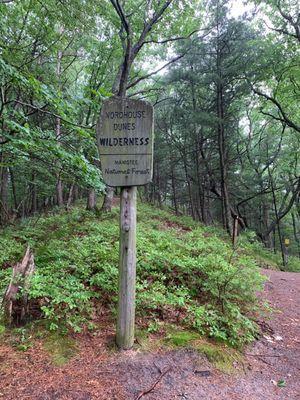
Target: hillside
188,274
193,291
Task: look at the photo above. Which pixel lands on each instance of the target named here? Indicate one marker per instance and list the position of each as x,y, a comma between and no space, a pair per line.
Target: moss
181,338
222,357
60,348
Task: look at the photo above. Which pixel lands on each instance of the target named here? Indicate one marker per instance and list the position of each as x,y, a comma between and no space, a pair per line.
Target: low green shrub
185,272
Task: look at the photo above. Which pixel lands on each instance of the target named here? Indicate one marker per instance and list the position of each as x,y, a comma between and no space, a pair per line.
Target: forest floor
270,368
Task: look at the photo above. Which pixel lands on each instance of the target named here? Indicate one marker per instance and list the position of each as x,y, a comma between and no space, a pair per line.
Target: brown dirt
97,372
166,225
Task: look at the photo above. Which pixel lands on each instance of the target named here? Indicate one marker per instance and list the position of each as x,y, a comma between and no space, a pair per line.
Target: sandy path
96,374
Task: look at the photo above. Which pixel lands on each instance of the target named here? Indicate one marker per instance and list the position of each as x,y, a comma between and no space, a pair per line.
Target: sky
238,7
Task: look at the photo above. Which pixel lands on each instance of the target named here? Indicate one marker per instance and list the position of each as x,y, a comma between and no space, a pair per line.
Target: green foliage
2,330
281,383
266,258
21,338
293,264
184,272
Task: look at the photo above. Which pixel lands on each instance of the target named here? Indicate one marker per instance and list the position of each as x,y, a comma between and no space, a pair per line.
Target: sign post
125,143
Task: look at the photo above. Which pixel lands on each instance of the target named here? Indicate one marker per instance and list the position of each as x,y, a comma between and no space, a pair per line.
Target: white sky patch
238,8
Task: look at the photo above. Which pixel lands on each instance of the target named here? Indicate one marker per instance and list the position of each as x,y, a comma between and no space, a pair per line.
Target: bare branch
134,83
121,14
289,18
283,212
144,91
171,39
284,118
149,25
39,109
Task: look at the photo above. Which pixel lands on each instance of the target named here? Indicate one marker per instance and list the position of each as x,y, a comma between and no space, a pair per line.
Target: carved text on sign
125,142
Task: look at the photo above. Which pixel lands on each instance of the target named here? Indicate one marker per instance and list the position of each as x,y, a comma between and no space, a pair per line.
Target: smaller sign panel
125,142
286,242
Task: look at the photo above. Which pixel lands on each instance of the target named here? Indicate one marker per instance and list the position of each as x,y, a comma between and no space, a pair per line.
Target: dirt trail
95,374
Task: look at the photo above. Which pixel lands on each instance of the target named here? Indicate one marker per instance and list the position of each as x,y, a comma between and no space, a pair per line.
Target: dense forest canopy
225,90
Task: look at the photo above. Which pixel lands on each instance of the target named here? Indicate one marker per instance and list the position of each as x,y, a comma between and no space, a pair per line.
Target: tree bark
108,199
59,193
15,300
4,175
226,214
91,200
59,185
12,178
34,204
265,217
296,234
70,197
277,220
174,187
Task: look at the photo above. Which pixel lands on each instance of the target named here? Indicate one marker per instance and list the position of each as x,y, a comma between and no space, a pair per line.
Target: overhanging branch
134,83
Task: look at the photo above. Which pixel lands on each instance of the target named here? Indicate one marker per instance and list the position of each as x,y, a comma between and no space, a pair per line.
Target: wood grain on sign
125,142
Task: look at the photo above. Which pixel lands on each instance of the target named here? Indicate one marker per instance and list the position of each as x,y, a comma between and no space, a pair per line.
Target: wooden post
125,144
127,269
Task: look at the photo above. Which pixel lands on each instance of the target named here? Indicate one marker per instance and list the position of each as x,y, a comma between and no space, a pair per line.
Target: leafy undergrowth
266,258
187,274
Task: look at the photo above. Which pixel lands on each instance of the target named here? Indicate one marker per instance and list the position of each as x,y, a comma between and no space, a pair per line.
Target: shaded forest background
225,92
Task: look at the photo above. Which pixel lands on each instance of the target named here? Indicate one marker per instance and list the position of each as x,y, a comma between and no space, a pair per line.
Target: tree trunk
201,188
59,193
226,214
4,175
297,240
59,185
15,300
70,197
189,187
75,193
108,199
265,219
91,200
33,207
277,220
12,178
173,183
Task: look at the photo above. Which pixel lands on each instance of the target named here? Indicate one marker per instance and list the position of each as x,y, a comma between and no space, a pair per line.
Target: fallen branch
154,385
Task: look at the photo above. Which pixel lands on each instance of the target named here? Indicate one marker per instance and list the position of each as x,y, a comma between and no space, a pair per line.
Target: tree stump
15,300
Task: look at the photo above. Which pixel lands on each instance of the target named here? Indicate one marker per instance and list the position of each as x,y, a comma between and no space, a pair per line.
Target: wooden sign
125,142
